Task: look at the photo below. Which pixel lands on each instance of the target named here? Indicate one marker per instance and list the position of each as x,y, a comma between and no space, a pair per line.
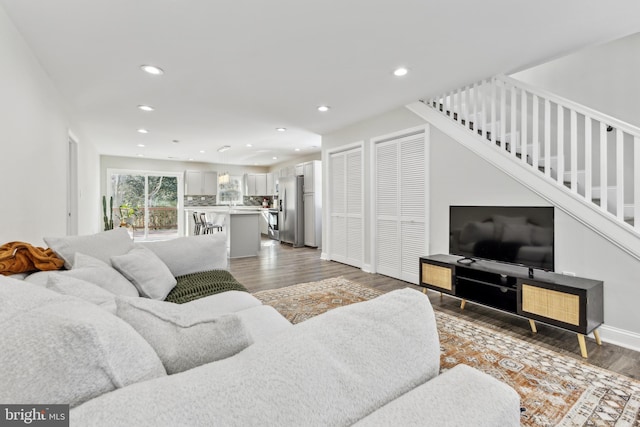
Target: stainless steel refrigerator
291,215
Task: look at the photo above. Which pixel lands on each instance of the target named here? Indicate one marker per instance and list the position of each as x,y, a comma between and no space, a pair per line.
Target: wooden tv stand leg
583,345
424,291
462,304
532,323
596,335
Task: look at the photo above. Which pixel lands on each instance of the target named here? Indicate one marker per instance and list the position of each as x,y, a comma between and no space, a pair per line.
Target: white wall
604,78
34,141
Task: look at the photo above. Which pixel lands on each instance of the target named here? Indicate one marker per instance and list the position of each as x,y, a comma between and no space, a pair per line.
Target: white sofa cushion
95,271
84,290
225,302
475,392
102,245
60,349
315,373
146,271
263,322
182,336
91,270
186,255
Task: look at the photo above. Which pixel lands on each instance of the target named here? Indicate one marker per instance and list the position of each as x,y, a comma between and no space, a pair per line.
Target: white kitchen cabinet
256,184
261,184
210,183
201,183
312,219
299,169
251,184
312,172
271,187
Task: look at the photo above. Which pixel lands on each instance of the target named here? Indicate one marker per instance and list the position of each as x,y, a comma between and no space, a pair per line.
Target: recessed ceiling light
399,72
152,69
141,145
140,155
223,148
281,129
202,151
143,131
191,159
249,145
274,158
296,149
323,108
146,107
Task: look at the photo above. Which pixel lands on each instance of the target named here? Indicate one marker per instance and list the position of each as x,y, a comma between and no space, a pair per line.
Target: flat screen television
521,235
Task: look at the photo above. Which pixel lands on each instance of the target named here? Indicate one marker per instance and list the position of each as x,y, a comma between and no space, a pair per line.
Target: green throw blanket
199,285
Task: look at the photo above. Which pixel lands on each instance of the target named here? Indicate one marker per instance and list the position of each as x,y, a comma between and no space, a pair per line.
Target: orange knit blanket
20,257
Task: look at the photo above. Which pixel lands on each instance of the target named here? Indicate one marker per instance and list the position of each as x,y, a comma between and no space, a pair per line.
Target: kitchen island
242,226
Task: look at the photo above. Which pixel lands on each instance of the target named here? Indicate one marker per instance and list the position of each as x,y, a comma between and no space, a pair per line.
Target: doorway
147,203
72,187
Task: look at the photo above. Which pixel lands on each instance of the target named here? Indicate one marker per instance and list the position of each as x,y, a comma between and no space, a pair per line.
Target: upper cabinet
257,184
312,172
201,183
271,185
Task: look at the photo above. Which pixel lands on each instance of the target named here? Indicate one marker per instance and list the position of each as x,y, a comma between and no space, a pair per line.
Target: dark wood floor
280,265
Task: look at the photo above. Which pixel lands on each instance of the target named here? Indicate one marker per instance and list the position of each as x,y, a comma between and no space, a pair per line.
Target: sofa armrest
461,396
332,369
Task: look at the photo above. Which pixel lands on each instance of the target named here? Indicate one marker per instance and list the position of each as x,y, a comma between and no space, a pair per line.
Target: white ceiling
236,70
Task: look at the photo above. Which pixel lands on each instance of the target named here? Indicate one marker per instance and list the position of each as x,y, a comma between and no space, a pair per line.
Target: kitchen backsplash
197,200
256,200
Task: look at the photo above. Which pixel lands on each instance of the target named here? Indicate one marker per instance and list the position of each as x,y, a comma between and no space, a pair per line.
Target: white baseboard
620,337
366,268
324,256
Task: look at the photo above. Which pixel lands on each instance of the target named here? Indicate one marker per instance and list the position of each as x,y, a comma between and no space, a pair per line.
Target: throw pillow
184,337
95,271
146,271
59,349
82,289
101,245
186,255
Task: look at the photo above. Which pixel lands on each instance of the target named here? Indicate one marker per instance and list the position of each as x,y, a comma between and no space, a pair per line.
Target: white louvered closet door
387,224
346,201
413,190
354,202
401,191
338,221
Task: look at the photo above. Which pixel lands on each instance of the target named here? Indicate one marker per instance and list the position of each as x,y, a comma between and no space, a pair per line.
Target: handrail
582,109
572,165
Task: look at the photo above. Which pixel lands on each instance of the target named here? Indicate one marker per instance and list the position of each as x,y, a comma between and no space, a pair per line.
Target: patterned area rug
555,390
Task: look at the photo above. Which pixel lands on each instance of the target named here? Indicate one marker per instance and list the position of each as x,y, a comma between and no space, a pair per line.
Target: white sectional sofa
226,359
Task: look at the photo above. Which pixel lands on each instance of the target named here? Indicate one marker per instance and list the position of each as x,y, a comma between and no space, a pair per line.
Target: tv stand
567,302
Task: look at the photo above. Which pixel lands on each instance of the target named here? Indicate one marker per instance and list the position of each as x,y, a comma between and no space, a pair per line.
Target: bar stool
197,224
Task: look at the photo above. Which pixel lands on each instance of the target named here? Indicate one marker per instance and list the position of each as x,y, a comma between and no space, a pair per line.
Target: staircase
580,160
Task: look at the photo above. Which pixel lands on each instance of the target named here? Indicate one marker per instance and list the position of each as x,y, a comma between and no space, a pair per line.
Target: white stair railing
590,154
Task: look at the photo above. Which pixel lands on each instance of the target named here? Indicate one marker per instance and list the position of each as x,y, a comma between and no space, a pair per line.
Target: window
230,190
147,203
